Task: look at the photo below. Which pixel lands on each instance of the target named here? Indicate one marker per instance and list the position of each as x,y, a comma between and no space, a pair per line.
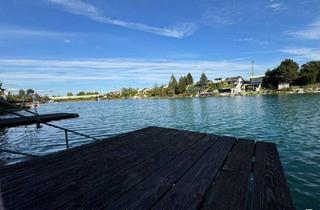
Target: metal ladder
38,121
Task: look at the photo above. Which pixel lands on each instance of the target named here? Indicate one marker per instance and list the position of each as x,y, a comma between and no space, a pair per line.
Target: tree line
82,93
25,95
184,86
290,72
180,87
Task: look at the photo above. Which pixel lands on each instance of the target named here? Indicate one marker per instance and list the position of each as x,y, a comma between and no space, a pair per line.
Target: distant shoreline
261,93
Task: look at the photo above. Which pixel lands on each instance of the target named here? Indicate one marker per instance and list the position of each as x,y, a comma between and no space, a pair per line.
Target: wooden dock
151,168
17,121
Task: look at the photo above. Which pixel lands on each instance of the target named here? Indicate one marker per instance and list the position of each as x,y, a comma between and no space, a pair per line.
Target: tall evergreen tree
189,79
203,81
173,85
182,85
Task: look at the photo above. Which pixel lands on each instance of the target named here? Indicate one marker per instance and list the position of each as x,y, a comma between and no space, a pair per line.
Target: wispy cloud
252,40
221,14
305,53
18,31
276,7
19,71
79,7
312,32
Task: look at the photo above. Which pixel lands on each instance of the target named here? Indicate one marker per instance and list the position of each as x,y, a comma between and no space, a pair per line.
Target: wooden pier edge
18,121
158,168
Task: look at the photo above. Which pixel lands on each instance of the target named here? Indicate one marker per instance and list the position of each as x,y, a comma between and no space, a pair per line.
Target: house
234,85
255,83
282,86
217,80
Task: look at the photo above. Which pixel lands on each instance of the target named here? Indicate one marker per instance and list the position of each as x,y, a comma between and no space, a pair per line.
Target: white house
255,83
282,86
234,85
217,80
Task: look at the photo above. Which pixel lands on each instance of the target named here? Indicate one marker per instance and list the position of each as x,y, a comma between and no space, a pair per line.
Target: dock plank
270,189
230,189
147,193
17,121
121,182
188,192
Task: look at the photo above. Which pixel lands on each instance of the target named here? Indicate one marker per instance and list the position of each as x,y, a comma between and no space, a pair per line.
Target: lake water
290,121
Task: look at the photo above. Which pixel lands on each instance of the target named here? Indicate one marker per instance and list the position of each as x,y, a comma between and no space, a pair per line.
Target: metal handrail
37,120
17,153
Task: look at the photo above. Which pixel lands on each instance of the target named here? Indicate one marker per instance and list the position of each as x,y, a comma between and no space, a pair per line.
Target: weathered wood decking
155,168
17,121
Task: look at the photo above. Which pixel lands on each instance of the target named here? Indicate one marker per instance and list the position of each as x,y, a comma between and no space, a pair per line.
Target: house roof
233,79
257,76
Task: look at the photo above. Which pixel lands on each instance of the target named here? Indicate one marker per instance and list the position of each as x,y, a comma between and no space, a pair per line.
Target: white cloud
117,70
79,7
67,41
252,40
17,31
276,7
307,53
312,32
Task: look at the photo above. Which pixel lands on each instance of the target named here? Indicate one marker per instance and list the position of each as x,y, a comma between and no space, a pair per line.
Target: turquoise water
291,121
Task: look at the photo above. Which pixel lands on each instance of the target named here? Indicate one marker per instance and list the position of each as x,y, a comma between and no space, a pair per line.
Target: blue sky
103,45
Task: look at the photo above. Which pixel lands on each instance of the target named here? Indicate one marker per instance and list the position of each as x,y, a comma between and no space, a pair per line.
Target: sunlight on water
291,121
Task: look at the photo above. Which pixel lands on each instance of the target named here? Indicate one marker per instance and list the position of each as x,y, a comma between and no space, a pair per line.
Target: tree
219,85
81,93
128,92
182,85
69,94
158,91
22,93
92,93
193,89
189,79
30,91
286,72
173,85
310,73
270,79
203,81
